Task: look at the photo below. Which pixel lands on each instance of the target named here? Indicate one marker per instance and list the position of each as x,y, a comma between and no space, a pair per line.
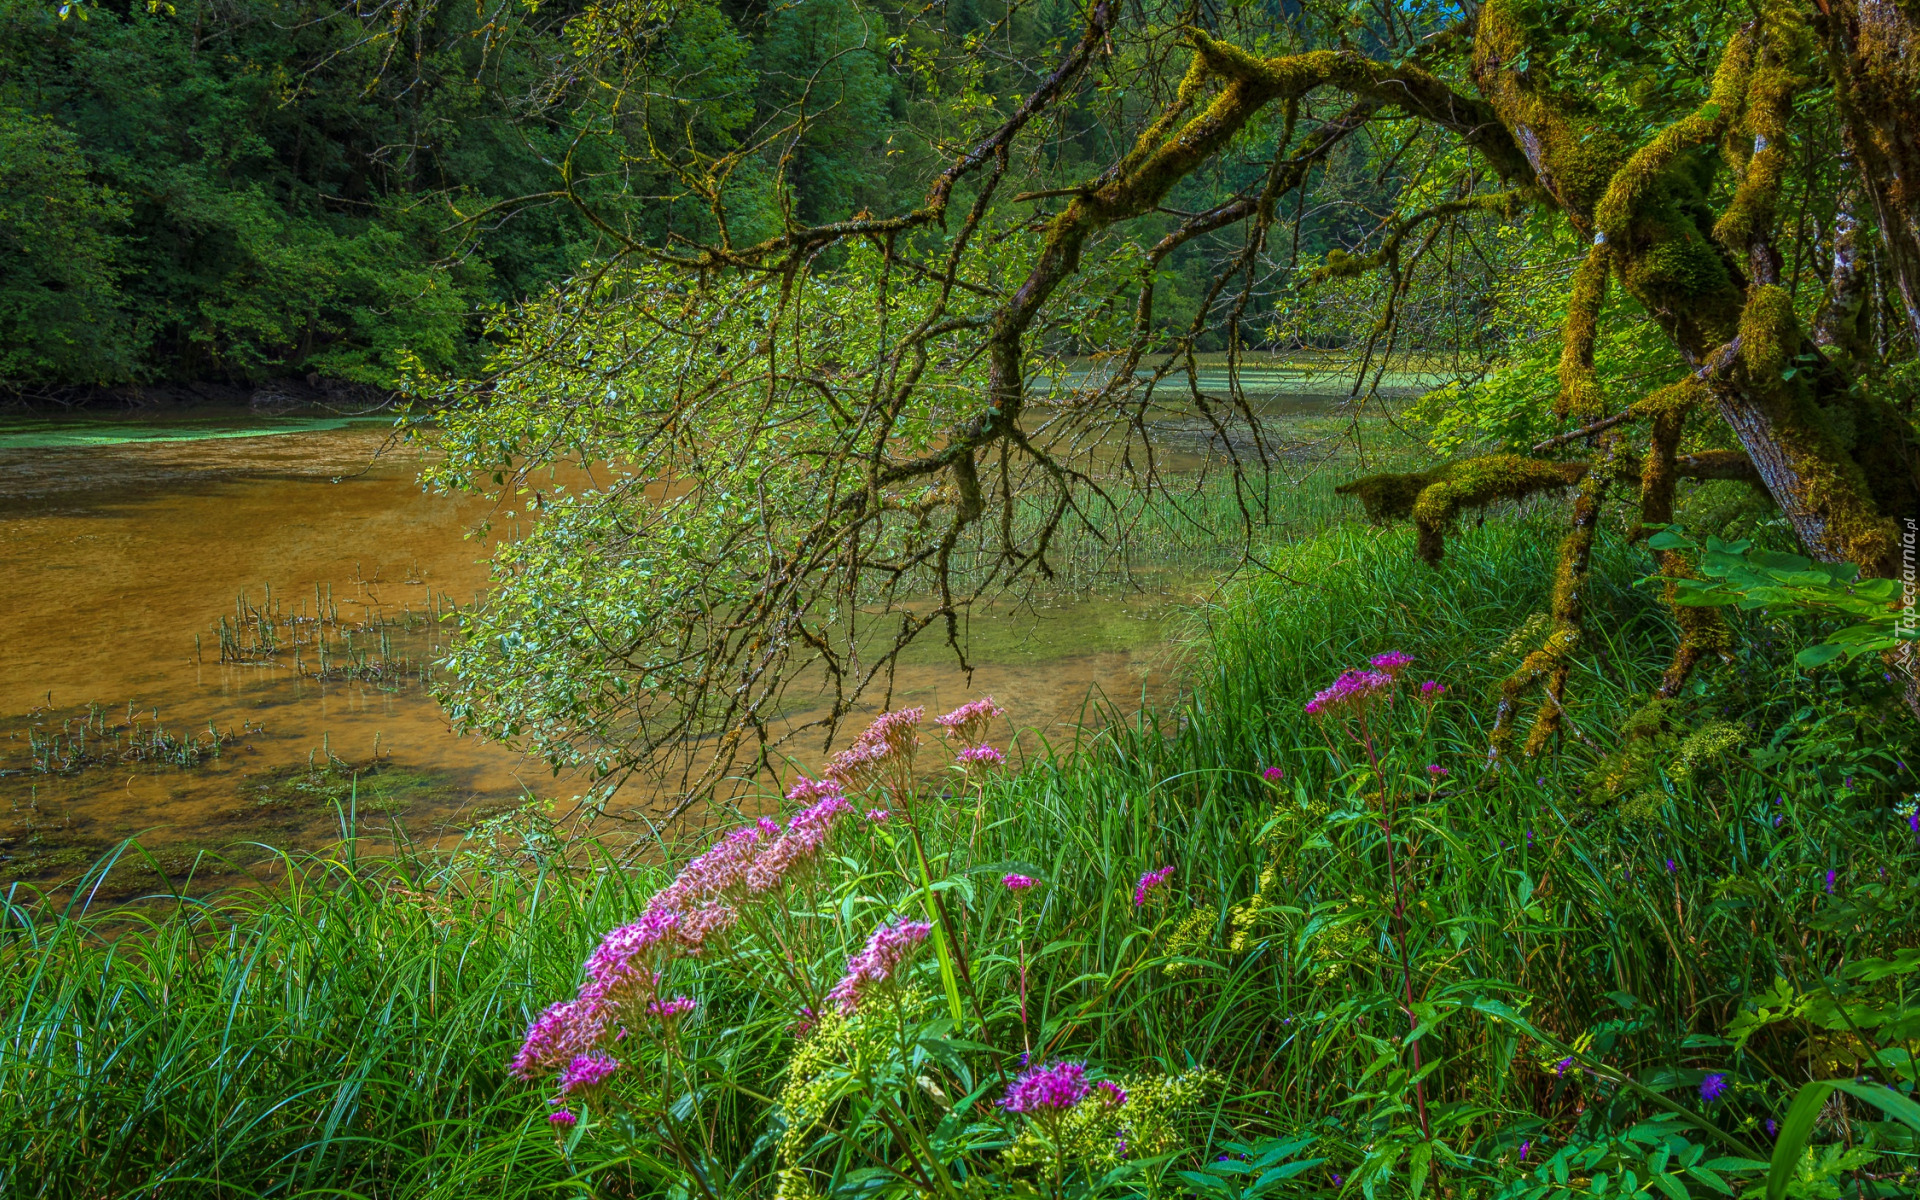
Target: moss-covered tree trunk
1840,463
1874,56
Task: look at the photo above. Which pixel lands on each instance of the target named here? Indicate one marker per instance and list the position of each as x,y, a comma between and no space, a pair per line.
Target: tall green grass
345,1032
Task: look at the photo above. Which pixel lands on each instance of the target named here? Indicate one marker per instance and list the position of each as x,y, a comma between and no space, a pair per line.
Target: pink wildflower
1273,774
1057,1087
1432,689
969,723
804,1025
807,791
1392,662
806,834
878,816
1018,883
562,1119
884,747
588,1071
708,876
985,756
1115,1094
1353,689
668,1010
1437,771
1148,882
886,949
567,1028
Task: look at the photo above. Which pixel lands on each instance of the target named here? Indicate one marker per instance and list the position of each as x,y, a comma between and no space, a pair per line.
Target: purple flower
1560,1068
1672,867
1529,837
1524,1147
1148,882
1338,1180
886,949
805,835
1115,1094
886,745
985,756
1392,662
969,723
588,1071
878,816
1432,689
1913,820
1059,1086
1437,771
1017,883
1273,774
668,1010
1773,1128
562,1119
1829,883
1713,1087
1353,689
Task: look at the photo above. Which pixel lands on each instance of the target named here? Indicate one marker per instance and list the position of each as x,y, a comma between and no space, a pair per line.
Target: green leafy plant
1741,576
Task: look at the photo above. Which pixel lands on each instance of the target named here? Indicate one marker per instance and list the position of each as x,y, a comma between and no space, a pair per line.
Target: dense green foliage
1740,906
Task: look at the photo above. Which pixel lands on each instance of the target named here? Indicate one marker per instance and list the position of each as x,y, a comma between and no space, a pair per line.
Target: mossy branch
1435,499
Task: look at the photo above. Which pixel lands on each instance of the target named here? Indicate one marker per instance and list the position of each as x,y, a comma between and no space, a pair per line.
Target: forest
1518,395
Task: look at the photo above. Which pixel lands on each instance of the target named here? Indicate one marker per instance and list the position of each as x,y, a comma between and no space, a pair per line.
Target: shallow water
122,539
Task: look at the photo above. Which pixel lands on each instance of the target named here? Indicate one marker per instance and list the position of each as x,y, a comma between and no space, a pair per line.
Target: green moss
1434,499
1580,394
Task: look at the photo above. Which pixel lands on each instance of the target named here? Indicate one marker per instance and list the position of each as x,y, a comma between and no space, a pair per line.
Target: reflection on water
118,549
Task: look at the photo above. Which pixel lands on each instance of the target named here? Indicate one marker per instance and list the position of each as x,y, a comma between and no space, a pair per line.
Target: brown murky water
116,553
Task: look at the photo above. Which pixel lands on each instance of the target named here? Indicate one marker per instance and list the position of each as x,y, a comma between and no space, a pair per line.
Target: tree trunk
1874,48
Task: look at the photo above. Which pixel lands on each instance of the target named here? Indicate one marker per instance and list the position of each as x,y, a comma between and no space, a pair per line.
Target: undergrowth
1231,949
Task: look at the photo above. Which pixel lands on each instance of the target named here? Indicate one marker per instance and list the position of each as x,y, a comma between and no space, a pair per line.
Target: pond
147,557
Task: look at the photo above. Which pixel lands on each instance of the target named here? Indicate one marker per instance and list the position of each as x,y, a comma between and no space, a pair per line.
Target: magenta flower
983,756
878,816
1148,882
1713,1087
668,1010
806,834
562,1119
567,1028
1018,883
1437,771
1057,1087
885,951
1432,689
588,1071
1524,1147
1115,1094
969,723
1353,689
884,747
1392,662
1273,774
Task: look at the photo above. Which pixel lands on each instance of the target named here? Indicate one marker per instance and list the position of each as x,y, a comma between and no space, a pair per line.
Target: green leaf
1818,656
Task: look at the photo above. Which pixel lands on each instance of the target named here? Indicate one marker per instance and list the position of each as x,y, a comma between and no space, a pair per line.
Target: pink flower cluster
883,750
985,756
886,949
1392,662
587,1071
1273,774
805,834
1018,883
1057,1087
969,723
1353,689
1148,882
698,907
